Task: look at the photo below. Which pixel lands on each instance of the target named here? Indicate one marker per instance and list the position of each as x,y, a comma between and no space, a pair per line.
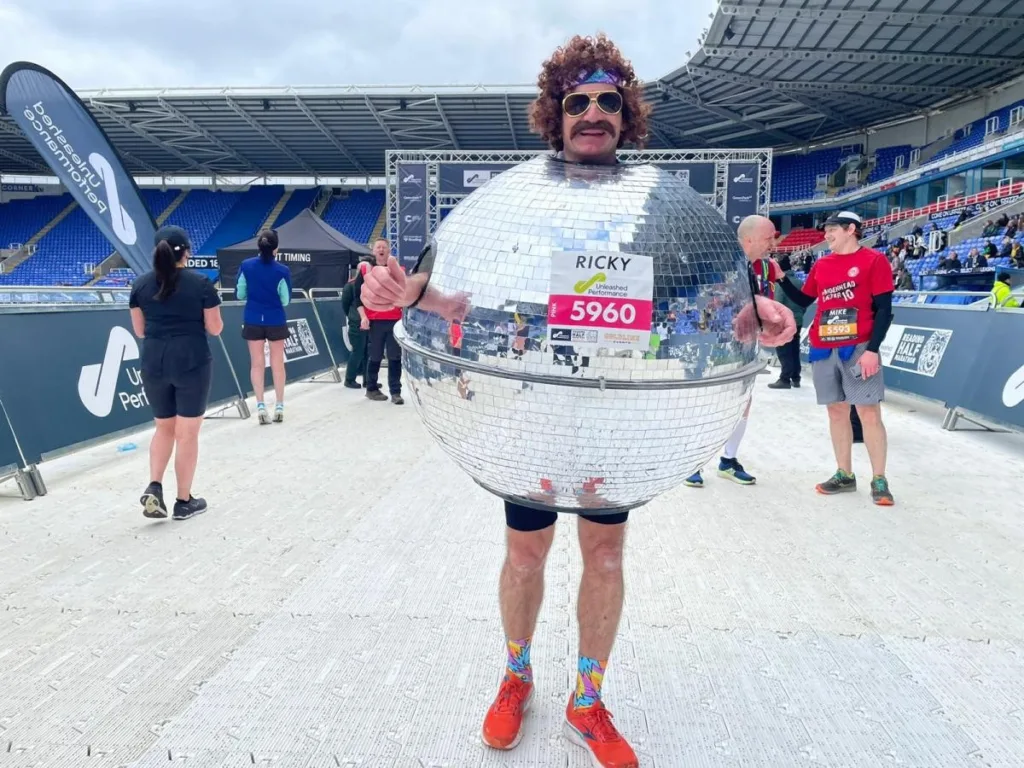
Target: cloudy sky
143,43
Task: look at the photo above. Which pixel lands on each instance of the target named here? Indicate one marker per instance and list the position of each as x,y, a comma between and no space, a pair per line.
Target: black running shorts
265,332
520,518
182,394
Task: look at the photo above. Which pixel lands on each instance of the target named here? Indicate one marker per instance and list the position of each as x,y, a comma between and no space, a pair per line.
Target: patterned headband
598,75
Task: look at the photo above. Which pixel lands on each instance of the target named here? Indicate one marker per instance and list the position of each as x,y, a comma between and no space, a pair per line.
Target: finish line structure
423,185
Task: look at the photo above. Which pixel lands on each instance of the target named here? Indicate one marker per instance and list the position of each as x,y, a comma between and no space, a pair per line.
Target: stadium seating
300,200
794,176
800,238
357,214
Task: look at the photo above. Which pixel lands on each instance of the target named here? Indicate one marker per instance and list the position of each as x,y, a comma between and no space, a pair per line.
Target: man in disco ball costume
562,404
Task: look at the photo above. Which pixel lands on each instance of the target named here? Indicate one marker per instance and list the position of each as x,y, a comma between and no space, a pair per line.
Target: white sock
733,446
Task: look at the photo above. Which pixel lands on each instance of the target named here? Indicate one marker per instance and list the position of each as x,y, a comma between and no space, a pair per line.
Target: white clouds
138,43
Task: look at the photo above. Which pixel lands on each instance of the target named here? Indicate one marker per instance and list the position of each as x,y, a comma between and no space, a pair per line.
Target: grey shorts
840,381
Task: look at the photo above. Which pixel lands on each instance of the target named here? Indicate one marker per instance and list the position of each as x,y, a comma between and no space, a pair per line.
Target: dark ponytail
267,244
165,264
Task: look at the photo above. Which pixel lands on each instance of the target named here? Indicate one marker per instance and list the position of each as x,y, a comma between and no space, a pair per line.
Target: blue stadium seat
357,214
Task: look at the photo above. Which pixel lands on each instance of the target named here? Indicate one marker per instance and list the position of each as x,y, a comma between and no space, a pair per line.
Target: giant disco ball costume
598,366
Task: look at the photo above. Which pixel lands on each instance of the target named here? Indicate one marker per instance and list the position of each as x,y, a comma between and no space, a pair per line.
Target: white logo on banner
64,154
477,178
742,179
97,384
299,345
123,224
1013,390
915,350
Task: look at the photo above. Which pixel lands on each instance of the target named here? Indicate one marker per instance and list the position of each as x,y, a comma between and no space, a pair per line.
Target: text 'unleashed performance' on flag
75,147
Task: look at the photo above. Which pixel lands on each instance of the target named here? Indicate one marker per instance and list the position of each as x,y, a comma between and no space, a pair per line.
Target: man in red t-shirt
853,287
381,327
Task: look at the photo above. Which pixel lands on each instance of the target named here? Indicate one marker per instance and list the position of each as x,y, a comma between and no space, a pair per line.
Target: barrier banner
700,176
9,454
69,139
741,191
463,178
335,325
87,385
412,212
927,352
305,351
994,387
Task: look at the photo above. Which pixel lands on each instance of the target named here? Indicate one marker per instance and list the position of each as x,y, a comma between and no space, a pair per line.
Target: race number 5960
612,314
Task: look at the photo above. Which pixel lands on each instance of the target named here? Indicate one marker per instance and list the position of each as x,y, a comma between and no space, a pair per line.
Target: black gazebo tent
318,255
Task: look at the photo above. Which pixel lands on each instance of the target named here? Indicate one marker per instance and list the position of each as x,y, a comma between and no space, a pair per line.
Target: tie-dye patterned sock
589,677
519,660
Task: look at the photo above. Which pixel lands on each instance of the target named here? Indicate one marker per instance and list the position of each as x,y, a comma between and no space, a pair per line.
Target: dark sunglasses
609,102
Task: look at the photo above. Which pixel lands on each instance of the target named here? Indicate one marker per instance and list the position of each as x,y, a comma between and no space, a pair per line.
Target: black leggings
381,340
179,394
520,518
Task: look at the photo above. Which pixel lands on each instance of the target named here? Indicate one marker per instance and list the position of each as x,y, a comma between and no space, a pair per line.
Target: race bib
838,325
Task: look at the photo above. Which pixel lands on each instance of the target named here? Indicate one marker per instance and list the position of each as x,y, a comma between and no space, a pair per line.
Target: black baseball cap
176,237
844,218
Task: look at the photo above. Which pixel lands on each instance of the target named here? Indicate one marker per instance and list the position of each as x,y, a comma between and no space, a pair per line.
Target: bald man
756,235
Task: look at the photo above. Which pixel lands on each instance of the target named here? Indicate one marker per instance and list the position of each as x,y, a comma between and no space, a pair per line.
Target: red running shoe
503,723
592,729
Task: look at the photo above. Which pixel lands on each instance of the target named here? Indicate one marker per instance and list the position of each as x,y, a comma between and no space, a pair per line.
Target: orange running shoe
591,728
503,723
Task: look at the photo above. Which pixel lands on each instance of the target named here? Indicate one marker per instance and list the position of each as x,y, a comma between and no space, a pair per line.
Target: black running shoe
183,510
840,482
153,502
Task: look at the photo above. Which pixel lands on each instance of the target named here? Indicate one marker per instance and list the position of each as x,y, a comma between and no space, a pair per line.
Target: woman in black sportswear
173,309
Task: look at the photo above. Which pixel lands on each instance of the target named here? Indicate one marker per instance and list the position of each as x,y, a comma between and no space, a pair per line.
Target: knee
870,415
604,556
527,554
165,426
839,412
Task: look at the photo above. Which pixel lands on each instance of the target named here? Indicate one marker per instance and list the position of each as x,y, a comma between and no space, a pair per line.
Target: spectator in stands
172,310
1012,226
904,280
951,263
265,285
853,288
357,360
991,252
1001,292
380,326
1001,222
896,262
808,262
964,216
1004,252
1017,256
975,260
989,229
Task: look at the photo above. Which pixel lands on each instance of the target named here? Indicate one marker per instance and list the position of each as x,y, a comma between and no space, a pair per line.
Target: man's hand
384,287
869,364
777,319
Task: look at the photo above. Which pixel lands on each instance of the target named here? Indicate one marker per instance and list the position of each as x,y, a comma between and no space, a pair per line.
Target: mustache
602,125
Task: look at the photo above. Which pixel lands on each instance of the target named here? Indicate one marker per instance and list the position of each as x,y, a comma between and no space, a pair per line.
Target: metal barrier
86,388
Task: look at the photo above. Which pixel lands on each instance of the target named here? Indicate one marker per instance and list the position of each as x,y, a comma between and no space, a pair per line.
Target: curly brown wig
558,75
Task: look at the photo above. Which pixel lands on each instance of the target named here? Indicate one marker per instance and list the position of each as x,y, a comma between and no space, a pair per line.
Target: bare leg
521,587
257,369
601,588
875,438
277,369
160,449
186,455
842,435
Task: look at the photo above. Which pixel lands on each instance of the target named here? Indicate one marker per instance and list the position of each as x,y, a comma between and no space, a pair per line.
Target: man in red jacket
381,327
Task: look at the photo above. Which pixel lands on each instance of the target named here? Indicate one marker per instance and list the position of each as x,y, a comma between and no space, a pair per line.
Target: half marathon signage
413,227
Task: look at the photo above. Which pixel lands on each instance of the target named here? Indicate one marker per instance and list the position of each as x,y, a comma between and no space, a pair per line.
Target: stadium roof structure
785,75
